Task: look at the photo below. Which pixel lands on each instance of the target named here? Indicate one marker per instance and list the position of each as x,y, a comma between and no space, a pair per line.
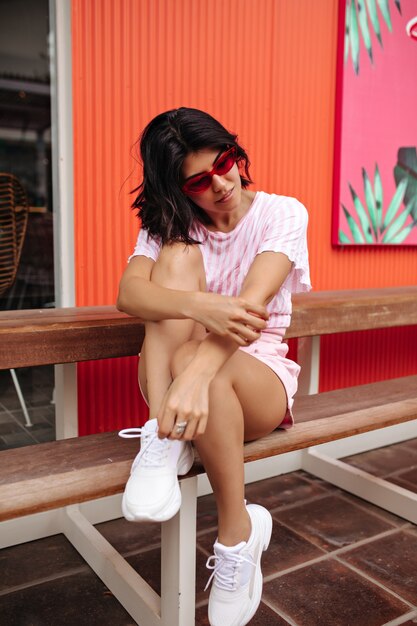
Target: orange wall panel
268,71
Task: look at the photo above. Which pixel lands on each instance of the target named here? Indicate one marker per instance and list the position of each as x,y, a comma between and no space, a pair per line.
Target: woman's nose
218,183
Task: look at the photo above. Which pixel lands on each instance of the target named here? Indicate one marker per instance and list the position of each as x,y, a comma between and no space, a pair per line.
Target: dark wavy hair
164,210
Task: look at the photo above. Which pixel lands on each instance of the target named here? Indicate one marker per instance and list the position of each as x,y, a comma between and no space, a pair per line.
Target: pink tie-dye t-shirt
272,223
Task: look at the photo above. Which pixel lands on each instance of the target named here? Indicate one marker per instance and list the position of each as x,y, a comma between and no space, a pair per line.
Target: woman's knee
179,260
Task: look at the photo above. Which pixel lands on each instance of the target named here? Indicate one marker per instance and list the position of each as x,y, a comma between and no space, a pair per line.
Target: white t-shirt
272,223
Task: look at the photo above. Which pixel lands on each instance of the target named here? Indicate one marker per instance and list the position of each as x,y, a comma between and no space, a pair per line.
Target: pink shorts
270,349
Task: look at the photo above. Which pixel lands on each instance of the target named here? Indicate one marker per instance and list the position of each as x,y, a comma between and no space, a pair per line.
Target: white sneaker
152,492
237,576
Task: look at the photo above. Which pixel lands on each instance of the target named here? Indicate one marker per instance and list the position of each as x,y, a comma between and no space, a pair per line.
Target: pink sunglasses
201,182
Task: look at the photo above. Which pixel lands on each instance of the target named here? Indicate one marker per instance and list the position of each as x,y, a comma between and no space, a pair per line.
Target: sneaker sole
258,583
265,524
167,512
172,507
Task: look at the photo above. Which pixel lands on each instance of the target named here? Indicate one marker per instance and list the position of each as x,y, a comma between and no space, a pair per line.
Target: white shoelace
225,569
153,451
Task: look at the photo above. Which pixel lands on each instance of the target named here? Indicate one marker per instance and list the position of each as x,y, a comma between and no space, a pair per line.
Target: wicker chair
13,223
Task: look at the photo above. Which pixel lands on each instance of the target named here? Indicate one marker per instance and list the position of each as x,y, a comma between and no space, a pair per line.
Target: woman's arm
140,297
229,317
265,277
263,281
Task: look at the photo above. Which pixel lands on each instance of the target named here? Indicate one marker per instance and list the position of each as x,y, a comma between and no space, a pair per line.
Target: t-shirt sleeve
146,246
286,232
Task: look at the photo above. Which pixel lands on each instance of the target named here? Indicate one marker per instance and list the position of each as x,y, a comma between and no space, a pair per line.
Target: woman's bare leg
247,401
178,267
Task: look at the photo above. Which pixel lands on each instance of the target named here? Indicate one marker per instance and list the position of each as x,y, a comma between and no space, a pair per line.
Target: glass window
26,211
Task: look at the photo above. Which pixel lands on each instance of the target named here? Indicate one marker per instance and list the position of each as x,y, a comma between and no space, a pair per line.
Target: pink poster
375,180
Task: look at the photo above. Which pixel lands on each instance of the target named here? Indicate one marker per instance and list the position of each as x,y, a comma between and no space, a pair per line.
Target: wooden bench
69,485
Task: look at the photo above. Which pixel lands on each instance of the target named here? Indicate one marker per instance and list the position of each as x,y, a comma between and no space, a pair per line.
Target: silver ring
180,427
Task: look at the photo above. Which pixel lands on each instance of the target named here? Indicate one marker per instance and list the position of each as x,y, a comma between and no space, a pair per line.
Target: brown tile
332,522
29,562
48,413
78,599
390,560
8,426
16,440
128,537
201,617
148,565
33,397
207,540
263,617
318,481
410,443
271,493
286,549
384,461
42,432
36,383
202,577
206,512
37,415
403,483
395,520
330,593
282,490
408,476
4,416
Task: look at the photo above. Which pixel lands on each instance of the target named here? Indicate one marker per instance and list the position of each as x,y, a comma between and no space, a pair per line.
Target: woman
212,275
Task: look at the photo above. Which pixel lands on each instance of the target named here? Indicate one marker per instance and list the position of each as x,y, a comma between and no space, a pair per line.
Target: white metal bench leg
178,566
130,589
308,356
21,398
176,607
380,492
66,403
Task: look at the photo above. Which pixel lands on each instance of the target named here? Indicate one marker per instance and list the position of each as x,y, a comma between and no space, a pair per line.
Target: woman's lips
226,197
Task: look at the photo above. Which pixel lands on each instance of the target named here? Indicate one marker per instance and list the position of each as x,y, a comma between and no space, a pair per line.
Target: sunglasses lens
198,184
225,163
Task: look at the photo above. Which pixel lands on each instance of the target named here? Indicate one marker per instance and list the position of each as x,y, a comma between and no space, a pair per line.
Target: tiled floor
334,560
37,388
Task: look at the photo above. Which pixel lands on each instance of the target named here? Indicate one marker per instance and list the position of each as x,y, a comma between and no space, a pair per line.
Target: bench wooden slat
339,401
69,335
42,494
315,432
60,472
93,450
328,312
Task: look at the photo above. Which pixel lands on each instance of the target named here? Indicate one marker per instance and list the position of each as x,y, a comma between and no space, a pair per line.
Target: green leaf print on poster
362,17
371,221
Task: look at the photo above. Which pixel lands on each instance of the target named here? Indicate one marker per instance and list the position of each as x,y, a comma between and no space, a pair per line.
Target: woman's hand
186,401
230,317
